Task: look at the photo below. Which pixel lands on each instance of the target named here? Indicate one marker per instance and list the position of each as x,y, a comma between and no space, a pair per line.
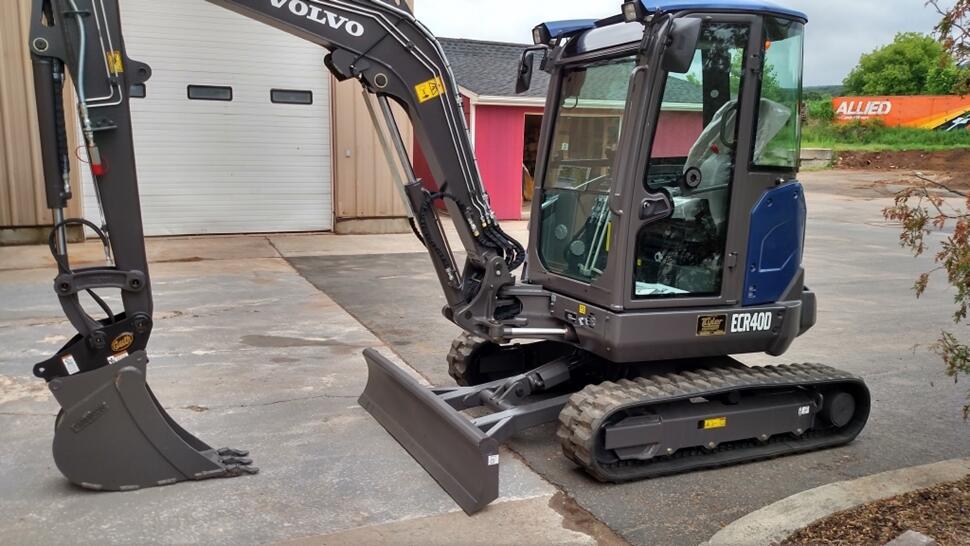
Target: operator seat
715,158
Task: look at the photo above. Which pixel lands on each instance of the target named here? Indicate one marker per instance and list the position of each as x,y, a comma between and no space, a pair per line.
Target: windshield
576,221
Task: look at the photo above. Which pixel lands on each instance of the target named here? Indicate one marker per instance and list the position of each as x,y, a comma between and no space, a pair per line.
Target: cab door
698,134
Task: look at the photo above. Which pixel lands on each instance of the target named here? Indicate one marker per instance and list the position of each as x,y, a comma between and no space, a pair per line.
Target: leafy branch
953,32
924,207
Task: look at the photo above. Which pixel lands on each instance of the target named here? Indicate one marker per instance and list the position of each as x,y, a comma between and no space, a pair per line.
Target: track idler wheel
113,435
474,360
838,408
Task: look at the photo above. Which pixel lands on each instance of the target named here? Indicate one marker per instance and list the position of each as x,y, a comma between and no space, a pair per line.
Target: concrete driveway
245,353
248,353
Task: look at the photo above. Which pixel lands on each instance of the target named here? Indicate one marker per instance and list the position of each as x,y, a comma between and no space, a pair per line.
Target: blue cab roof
562,28
763,6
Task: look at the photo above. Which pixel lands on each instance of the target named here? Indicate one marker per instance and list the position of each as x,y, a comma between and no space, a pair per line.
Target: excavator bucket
457,454
113,435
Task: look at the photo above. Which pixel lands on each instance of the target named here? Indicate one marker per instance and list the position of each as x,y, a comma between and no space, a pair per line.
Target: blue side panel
748,6
775,243
561,28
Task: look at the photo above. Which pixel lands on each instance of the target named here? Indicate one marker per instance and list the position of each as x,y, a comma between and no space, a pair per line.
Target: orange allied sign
925,112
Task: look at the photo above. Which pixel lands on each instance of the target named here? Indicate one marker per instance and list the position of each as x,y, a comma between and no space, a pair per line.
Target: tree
953,31
922,208
928,205
913,64
771,88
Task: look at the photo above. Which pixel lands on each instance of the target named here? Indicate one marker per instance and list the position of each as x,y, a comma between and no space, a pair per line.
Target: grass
876,137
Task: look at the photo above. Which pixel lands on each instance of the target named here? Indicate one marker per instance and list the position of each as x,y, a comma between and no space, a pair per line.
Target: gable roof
489,69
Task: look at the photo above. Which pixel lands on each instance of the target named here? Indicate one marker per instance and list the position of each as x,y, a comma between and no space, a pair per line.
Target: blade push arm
394,57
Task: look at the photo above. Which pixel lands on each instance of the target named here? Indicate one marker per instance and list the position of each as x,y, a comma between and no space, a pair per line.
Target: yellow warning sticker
582,309
716,422
430,89
115,63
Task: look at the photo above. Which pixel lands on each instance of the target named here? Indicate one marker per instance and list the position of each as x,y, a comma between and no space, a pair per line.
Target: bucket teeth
236,460
230,452
242,469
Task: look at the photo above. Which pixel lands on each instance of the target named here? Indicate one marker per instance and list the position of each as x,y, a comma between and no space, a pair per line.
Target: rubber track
460,355
587,410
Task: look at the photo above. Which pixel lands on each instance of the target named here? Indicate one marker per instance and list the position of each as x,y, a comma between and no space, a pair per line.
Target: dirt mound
952,162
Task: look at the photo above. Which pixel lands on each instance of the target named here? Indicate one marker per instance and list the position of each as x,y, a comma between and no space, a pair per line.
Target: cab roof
556,29
746,6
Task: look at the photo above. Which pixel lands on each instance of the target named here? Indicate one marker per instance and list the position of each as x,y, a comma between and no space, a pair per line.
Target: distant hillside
820,91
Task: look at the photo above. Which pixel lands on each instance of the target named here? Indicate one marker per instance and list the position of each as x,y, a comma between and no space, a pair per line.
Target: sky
838,31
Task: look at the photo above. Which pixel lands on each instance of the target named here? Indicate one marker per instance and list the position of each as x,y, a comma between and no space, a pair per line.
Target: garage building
240,129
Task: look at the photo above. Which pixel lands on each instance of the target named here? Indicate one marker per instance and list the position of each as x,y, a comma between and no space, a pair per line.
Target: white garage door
247,164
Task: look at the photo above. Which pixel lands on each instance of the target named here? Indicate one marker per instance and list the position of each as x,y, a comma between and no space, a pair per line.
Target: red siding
499,144
500,139
676,133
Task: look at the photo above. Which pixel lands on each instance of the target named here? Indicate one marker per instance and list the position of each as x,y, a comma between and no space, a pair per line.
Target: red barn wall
500,140
499,143
676,133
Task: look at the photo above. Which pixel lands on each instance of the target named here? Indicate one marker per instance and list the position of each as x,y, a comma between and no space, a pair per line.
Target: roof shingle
489,68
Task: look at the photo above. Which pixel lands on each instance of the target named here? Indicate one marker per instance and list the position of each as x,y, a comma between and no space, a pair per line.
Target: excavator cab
650,178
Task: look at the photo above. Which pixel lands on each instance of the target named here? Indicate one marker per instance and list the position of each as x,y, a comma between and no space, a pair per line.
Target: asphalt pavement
869,323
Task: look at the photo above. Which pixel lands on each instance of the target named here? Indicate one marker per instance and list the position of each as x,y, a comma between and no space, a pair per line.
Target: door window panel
693,159
779,121
576,220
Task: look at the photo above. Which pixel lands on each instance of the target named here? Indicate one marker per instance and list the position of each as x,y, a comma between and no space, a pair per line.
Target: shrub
874,135
821,111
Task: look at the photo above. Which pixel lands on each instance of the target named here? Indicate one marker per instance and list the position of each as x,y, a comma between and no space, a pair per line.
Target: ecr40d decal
751,322
300,8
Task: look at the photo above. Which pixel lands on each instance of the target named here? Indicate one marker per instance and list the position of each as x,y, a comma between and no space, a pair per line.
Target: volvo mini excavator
667,233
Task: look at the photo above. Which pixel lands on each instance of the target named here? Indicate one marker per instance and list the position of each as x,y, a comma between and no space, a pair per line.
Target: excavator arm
111,432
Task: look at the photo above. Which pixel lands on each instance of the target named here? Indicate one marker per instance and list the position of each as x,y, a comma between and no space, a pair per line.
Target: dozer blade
113,435
459,456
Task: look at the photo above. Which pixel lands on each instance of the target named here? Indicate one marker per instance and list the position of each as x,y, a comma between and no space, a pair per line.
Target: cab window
693,160
777,143
576,221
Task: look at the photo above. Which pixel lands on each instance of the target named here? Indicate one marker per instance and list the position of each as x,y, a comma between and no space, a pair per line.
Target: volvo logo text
321,16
